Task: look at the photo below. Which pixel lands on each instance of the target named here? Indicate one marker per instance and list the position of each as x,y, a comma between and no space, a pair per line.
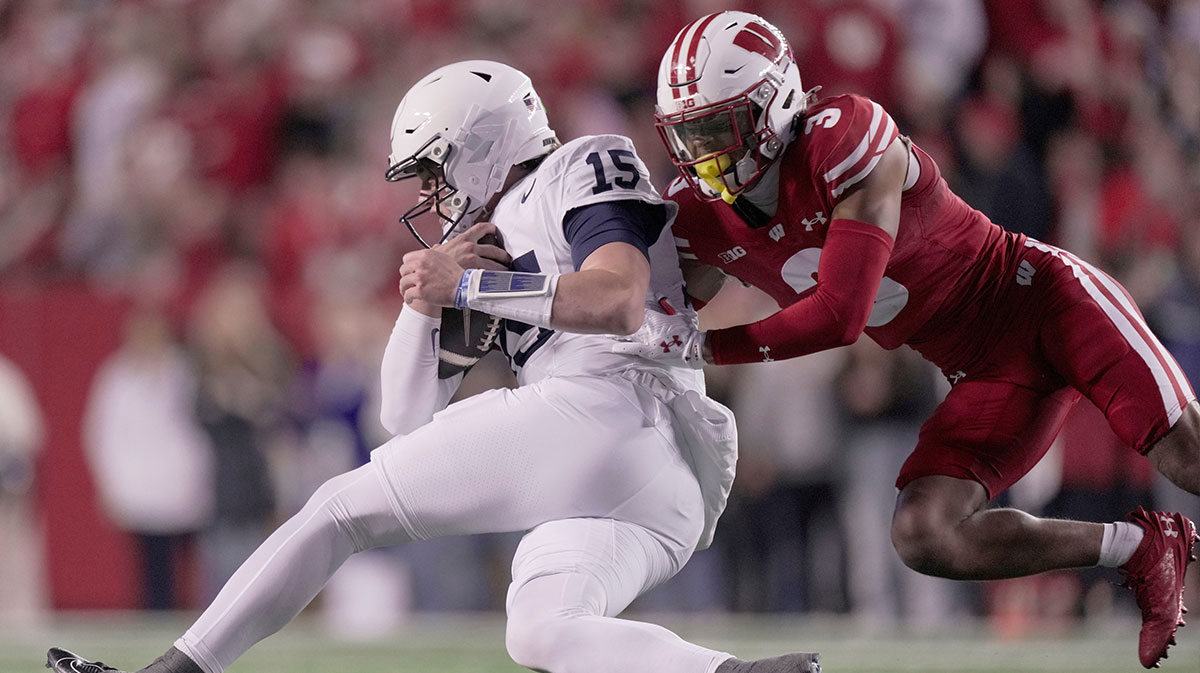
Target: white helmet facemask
460,130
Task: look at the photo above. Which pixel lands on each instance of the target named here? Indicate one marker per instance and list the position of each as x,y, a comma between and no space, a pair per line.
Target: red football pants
1068,328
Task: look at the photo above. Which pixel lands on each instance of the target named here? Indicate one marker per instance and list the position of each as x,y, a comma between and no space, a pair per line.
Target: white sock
1121,539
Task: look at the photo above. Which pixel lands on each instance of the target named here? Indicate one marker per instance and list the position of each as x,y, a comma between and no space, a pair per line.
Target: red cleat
1155,574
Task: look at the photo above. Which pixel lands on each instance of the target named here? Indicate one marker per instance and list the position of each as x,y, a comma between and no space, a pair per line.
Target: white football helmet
463,126
728,93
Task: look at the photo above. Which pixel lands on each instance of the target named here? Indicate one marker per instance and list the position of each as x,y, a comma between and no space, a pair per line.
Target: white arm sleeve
412,392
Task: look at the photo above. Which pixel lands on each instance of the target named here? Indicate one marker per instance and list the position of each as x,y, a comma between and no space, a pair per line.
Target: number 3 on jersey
826,119
624,168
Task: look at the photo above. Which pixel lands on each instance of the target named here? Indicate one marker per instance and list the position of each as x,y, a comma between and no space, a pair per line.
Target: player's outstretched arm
857,248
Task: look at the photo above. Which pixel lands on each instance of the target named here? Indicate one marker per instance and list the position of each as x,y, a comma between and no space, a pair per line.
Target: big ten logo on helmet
687,103
735,253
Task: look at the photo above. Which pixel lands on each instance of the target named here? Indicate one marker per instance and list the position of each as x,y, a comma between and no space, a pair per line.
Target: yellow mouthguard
710,172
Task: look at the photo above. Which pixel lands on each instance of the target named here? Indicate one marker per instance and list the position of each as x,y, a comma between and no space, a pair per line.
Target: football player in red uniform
850,227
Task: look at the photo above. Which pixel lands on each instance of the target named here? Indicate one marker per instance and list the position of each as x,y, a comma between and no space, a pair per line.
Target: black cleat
62,661
798,662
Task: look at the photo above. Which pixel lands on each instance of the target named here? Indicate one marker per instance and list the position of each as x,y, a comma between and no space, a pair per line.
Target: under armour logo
776,232
1025,273
766,353
956,377
1168,525
666,345
819,218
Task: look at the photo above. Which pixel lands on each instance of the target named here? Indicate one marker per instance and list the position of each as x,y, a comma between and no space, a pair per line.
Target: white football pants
588,465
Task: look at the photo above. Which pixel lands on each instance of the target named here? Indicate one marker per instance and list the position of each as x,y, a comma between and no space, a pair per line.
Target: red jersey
1020,328
946,262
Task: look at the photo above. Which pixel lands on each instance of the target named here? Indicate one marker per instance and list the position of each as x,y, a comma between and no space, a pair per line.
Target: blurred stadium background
198,259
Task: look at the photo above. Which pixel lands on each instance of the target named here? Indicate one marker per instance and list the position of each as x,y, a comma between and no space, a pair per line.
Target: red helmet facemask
717,146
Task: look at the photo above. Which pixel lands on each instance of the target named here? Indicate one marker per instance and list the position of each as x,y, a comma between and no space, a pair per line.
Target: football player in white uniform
616,466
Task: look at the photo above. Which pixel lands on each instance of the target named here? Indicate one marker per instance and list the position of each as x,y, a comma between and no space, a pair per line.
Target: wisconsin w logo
759,39
1025,273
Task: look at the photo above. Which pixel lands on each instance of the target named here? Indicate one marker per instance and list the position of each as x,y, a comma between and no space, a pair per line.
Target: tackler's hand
477,248
671,339
431,276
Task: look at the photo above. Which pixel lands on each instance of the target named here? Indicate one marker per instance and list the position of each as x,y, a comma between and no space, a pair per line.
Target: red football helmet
728,92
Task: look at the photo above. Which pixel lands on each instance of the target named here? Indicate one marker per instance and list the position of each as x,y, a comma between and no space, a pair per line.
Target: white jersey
585,171
613,396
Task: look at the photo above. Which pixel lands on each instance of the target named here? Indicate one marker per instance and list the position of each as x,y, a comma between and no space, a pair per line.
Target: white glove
669,339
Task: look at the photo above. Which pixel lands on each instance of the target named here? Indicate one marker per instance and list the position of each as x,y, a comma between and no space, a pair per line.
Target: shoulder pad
595,169
844,137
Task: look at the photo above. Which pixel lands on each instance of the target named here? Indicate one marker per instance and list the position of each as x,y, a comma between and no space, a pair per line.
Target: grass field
476,645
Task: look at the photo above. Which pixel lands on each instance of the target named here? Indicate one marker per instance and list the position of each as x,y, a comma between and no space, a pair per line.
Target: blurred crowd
219,165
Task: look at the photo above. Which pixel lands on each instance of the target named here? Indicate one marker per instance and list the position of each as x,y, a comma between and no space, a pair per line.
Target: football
466,335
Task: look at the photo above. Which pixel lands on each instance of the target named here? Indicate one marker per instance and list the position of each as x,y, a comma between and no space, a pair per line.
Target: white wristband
526,297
